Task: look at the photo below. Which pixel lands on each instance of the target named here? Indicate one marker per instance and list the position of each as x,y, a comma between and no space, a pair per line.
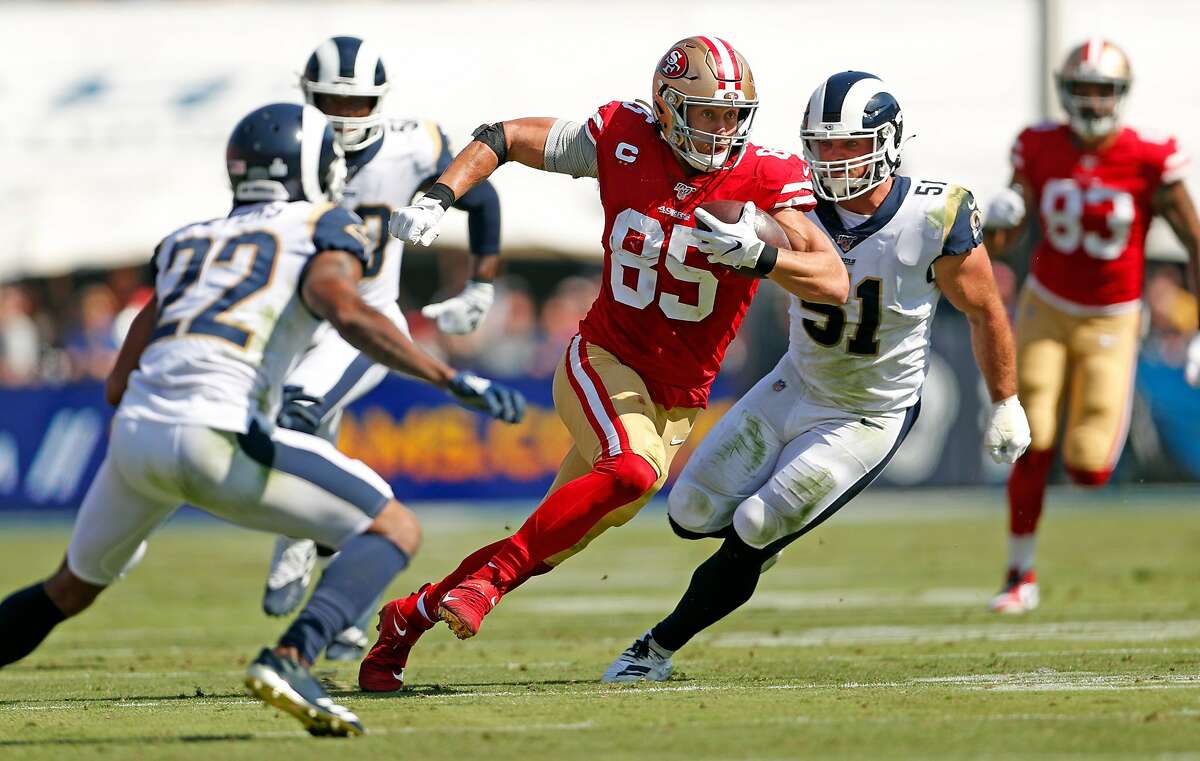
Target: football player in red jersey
639,371
1094,185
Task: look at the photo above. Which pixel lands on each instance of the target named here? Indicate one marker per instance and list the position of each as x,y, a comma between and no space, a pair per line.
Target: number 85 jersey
663,309
1094,208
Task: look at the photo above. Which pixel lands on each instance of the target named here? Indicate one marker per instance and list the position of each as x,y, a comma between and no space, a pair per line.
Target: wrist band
766,261
442,194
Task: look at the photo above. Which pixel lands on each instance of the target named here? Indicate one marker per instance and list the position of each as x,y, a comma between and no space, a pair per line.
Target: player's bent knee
399,525
1084,477
757,523
684,533
694,512
631,475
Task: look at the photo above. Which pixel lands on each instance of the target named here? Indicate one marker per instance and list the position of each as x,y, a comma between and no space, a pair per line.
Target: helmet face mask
349,70
852,105
843,179
1092,86
704,72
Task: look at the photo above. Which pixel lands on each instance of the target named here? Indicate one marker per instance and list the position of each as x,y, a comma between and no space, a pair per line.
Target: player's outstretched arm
1174,203
968,283
813,269
520,140
330,289
136,341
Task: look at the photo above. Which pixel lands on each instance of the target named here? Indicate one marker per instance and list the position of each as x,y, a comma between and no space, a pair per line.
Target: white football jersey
394,169
872,353
230,320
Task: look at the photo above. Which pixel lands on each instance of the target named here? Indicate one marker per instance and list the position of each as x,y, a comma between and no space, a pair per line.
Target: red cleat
464,607
400,626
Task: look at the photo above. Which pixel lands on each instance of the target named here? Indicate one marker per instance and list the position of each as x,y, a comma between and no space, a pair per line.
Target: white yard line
1080,631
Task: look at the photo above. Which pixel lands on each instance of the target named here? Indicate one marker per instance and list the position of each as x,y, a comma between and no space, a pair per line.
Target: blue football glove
300,411
489,397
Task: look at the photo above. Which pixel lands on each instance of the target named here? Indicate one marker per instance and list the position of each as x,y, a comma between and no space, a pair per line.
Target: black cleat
282,682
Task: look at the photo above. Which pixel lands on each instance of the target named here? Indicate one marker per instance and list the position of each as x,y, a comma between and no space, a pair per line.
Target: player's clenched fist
462,314
1007,435
417,223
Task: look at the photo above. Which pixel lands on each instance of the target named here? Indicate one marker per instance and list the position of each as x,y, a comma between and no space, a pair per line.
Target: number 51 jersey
230,319
663,309
1095,209
871,354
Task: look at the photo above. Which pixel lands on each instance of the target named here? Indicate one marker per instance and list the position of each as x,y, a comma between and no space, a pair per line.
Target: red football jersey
663,310
1095,209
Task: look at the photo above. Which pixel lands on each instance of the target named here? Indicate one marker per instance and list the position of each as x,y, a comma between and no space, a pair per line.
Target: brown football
768,229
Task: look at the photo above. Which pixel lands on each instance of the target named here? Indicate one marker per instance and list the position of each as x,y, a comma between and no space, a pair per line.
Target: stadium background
122,110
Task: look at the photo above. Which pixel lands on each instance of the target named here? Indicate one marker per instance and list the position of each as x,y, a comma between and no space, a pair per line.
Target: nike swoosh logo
449,598
736,246
401,632
398,677
677,442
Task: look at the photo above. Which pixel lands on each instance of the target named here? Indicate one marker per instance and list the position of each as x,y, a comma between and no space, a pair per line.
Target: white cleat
291,570
1020,594
642,661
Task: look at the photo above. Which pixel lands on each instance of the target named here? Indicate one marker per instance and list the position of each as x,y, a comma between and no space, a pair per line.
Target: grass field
869,640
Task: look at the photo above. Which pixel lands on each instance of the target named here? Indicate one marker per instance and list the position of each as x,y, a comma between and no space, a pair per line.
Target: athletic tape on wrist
442,194
766,261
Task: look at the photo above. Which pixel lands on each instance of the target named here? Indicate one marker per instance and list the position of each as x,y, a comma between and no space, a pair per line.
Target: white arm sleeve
570,150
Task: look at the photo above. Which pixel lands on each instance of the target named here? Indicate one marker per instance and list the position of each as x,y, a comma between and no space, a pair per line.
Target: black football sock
720,585
26,617
350,585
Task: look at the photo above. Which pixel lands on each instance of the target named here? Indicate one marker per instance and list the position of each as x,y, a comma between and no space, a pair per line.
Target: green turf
869,640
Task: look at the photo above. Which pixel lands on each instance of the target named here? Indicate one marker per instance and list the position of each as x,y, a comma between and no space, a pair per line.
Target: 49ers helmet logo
674,64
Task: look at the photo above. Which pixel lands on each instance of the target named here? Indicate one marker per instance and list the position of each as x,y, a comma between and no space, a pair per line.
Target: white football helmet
348,67
852,104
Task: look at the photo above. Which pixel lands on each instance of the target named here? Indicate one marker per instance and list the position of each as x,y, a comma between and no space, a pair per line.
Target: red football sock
1027,490
470,564
566,516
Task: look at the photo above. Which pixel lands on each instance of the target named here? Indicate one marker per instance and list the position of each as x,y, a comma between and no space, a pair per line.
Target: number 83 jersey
1095,209
871,354
230,319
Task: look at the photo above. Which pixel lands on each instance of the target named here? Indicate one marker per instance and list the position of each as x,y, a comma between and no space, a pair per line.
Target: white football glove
1191,369
462,314
1006,210
1007,435
735,244
417,223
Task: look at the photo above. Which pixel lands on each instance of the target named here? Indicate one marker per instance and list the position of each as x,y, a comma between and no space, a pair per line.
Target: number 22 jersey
663,309
231,323
1095,209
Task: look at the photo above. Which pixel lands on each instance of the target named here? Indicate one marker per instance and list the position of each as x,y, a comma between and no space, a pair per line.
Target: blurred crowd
68,329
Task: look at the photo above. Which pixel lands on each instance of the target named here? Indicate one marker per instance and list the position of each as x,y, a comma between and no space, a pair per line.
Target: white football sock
1020,551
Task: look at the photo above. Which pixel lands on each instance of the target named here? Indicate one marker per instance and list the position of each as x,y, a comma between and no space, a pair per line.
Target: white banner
117,114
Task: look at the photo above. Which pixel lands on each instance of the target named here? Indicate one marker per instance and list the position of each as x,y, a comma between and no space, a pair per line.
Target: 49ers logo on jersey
674,64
